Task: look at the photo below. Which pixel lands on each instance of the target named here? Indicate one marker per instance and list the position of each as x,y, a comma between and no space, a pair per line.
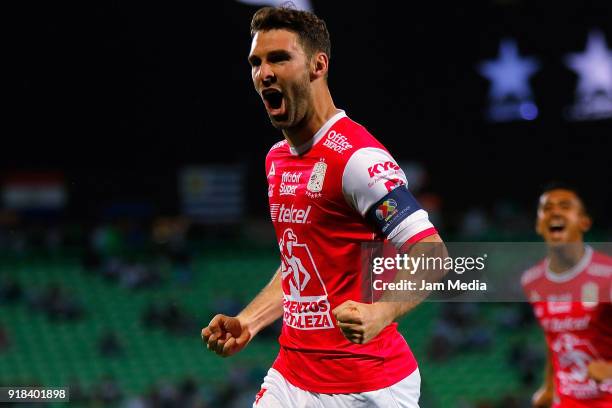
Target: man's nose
556,211
267,75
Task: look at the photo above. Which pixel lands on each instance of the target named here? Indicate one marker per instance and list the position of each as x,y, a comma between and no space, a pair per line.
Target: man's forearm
394,308
548,383
265,308
361,322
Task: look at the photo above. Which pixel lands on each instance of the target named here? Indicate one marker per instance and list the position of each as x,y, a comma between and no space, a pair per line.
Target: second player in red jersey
570,292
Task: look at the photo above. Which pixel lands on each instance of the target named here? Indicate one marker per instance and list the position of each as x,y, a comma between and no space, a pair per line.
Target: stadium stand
52,353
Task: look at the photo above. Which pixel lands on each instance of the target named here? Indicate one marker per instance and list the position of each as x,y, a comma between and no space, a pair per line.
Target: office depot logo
280,213
337,142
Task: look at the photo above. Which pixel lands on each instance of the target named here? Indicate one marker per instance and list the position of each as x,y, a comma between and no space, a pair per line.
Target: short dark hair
563,185
311,30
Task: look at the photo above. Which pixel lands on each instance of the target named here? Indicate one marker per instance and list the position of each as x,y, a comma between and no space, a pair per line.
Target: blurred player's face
279,68
561,217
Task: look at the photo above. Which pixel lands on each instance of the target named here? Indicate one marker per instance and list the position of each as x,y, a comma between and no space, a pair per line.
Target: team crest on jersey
386,210
590,295
316,180
305,304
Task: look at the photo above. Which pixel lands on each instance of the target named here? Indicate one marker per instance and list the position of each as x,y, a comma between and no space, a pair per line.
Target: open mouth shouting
274,101
556,227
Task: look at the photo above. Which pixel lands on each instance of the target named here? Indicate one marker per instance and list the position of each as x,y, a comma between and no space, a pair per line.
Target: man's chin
556,240
280,122
563,243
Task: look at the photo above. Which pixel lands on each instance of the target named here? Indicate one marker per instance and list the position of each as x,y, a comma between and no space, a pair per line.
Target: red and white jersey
320,197
575,312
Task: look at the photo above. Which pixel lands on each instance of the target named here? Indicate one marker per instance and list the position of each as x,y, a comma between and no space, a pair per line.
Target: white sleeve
370,175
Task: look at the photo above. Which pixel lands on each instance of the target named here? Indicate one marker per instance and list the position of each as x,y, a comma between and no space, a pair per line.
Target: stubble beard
296,105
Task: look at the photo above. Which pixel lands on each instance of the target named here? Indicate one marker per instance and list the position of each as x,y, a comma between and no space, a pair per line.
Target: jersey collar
573,271
303,148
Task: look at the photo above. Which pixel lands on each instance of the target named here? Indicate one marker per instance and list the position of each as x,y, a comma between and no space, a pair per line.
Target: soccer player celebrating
331,186
570,292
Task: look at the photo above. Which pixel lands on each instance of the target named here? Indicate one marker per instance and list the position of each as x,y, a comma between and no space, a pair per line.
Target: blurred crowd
140,257
170,317
54,301
459,328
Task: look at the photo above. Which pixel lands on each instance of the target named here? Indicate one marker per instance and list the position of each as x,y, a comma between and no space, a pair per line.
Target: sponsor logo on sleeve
392,184
378,168
387,172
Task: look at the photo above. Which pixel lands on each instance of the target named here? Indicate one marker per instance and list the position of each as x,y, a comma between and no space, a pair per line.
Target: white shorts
276,392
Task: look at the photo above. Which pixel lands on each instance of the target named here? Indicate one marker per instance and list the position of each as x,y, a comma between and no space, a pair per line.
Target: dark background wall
119,96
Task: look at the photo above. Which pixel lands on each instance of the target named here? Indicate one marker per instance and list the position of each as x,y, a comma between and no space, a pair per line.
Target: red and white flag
34,191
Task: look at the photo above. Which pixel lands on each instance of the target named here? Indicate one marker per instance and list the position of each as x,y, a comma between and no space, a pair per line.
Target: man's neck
564,257
323,109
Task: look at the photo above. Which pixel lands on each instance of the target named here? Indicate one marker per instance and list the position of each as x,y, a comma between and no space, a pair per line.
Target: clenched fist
361,322
600,370
225,335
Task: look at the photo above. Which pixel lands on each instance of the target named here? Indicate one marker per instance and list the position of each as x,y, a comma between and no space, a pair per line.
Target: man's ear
585,223
537,228
319,66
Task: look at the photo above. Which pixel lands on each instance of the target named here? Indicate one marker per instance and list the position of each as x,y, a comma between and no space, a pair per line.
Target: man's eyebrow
274,54
279,54
562,201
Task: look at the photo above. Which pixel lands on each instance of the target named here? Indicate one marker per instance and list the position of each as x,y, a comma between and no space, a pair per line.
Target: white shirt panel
363,185
365,175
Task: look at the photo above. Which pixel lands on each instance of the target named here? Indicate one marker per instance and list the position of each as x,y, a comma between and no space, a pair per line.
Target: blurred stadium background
134,203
